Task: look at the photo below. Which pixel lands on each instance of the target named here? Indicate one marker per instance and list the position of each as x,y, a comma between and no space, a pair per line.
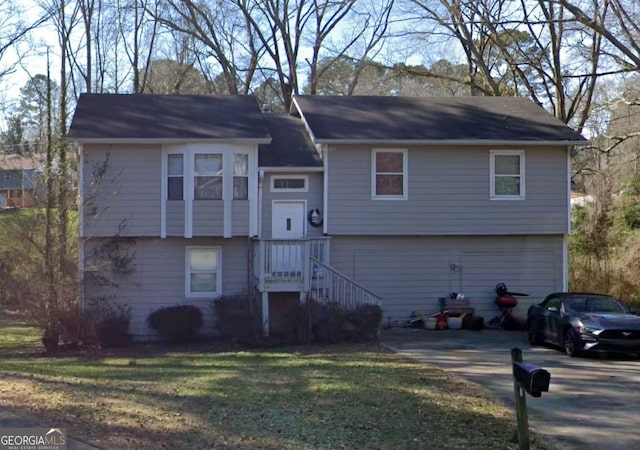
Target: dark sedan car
584,322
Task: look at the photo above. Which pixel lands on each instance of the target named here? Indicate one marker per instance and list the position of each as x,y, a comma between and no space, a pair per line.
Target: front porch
302,266
284,265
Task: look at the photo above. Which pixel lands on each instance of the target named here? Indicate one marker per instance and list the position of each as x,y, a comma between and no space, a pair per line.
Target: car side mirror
552,309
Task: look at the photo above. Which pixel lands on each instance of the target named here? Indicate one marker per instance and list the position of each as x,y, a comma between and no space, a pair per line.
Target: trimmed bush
113,332
177,324
237,318
366,320
110,321
331,324
328,322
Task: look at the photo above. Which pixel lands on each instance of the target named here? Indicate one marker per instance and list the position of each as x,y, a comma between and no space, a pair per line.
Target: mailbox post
527,379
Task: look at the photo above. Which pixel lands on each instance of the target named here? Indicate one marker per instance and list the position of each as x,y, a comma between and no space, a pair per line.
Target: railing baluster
306,261
339,288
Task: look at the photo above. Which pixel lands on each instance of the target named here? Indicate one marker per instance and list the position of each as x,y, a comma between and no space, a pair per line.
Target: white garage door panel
529,272
407,280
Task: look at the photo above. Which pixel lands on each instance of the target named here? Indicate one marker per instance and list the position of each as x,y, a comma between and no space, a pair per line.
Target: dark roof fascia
436,142
169,141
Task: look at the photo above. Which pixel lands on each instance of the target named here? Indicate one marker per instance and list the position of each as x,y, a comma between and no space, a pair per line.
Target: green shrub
177,324
111,321
237,317
113,332
366,320
330,323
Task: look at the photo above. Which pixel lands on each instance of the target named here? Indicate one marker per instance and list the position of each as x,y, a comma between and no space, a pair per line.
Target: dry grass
351,396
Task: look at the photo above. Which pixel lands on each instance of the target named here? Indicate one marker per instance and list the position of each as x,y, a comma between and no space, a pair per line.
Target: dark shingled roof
290,146
167,117
370,119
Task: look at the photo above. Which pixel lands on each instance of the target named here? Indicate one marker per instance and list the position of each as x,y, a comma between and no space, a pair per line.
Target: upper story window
175,177
507,174
207,179
289,183
240,176
389,174
203,271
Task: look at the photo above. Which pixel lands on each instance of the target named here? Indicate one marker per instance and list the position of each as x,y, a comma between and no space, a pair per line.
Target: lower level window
203,271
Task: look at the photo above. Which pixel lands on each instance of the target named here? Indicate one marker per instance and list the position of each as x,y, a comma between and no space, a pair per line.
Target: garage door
533,273
408,279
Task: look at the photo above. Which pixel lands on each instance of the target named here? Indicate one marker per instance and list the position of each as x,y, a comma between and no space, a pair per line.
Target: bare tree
221,31
284,27
529,49
15,28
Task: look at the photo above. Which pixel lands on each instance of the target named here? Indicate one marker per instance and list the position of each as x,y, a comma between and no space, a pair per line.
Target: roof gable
22,162
122,117
430,119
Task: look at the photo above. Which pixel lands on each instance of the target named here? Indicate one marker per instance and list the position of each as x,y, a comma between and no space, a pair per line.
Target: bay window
207,180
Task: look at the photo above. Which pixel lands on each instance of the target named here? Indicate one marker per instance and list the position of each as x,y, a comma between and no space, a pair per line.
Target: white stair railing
329,285
287,260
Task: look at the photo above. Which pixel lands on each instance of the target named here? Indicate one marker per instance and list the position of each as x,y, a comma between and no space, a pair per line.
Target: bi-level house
355,199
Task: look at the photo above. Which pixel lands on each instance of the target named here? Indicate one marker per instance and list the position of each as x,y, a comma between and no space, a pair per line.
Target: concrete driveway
593,403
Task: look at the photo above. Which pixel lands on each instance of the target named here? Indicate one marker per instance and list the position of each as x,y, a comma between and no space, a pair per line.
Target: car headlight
588,329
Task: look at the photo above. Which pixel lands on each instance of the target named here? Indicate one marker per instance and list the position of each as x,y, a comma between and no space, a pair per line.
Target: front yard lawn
348,396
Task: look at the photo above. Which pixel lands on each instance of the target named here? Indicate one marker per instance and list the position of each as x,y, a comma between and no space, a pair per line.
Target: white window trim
164,182
174,176
227,151
224,163
187,273
247,176
405,174
492,175
289,177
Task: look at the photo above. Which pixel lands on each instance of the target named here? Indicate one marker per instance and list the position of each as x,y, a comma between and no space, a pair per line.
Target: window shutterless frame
289,183
240,176
389,174
203,269
507,174
175,176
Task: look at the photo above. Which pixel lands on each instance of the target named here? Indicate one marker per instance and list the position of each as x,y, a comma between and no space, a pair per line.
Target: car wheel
571,342
533,335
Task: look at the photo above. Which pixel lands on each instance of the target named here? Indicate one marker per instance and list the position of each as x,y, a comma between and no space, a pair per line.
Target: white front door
287,222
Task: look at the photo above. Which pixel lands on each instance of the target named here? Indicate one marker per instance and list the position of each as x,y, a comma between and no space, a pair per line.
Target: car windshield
593,304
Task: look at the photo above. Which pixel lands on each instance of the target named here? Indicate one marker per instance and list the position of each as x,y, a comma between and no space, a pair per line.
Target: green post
521,404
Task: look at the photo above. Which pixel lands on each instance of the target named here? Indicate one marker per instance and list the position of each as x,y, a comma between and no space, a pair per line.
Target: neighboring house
580,199
354,199
18,180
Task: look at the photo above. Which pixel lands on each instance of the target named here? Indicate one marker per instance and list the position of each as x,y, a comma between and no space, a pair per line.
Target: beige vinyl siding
122,190
240,217
448,194
208,217
175,218
313,197
410,273
158,278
